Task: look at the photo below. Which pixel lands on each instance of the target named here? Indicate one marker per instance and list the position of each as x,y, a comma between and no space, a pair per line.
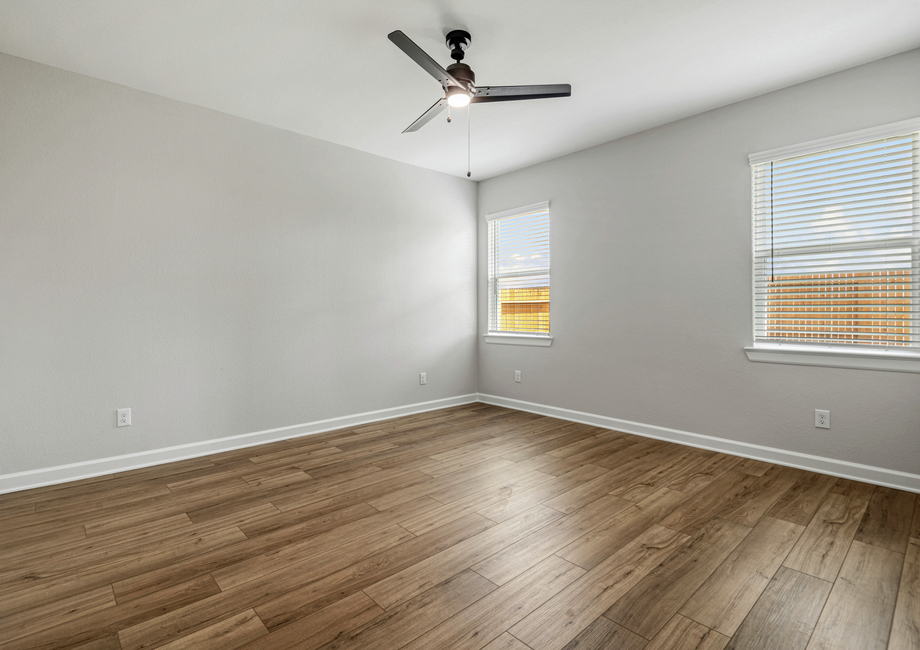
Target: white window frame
835,356
513,338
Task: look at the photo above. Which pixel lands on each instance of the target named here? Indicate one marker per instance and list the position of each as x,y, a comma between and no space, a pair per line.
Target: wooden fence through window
524,310
870,307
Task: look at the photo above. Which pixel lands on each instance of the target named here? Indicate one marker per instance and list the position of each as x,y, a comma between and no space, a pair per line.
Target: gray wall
217,276
651,281
221,277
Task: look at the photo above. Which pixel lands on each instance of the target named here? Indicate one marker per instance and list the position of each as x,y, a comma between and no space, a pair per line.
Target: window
837,244
519,298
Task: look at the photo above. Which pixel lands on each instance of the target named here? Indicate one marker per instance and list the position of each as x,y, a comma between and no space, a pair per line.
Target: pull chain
772,258
469,113
448,113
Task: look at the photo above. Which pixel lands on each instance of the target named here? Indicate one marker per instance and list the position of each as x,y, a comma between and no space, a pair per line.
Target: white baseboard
845,469
90,468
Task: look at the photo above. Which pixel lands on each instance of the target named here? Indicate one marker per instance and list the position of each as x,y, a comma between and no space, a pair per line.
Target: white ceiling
326,69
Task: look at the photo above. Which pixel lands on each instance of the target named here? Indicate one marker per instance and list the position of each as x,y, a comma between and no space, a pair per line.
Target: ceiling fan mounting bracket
457,41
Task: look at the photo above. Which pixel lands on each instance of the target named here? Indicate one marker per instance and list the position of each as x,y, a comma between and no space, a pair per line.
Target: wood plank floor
466,528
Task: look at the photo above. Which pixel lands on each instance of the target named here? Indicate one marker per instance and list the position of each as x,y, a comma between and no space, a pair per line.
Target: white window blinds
519,270
837,244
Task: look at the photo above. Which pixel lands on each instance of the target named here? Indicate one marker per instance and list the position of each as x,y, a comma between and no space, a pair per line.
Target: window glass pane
519,286
837,245
524,306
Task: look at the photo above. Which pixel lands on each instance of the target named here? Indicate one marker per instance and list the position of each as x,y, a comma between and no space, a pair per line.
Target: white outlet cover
123,417
822,419
422,378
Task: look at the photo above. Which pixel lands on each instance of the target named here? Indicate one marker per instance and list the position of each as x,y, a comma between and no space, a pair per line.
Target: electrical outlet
517,376
422,378
822,419
123,417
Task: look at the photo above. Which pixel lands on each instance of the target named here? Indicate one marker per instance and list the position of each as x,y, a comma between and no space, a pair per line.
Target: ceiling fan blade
514,93
418,55
427,116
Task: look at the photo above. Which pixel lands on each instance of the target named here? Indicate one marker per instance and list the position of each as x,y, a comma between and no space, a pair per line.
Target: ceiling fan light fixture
458,97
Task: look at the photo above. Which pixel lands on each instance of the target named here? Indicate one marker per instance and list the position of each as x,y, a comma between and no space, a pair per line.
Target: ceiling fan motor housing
462,73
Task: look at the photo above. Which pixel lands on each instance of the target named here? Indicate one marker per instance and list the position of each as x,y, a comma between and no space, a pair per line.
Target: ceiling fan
458,80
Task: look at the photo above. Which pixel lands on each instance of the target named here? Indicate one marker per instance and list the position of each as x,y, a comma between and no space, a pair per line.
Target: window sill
831,357
519,339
